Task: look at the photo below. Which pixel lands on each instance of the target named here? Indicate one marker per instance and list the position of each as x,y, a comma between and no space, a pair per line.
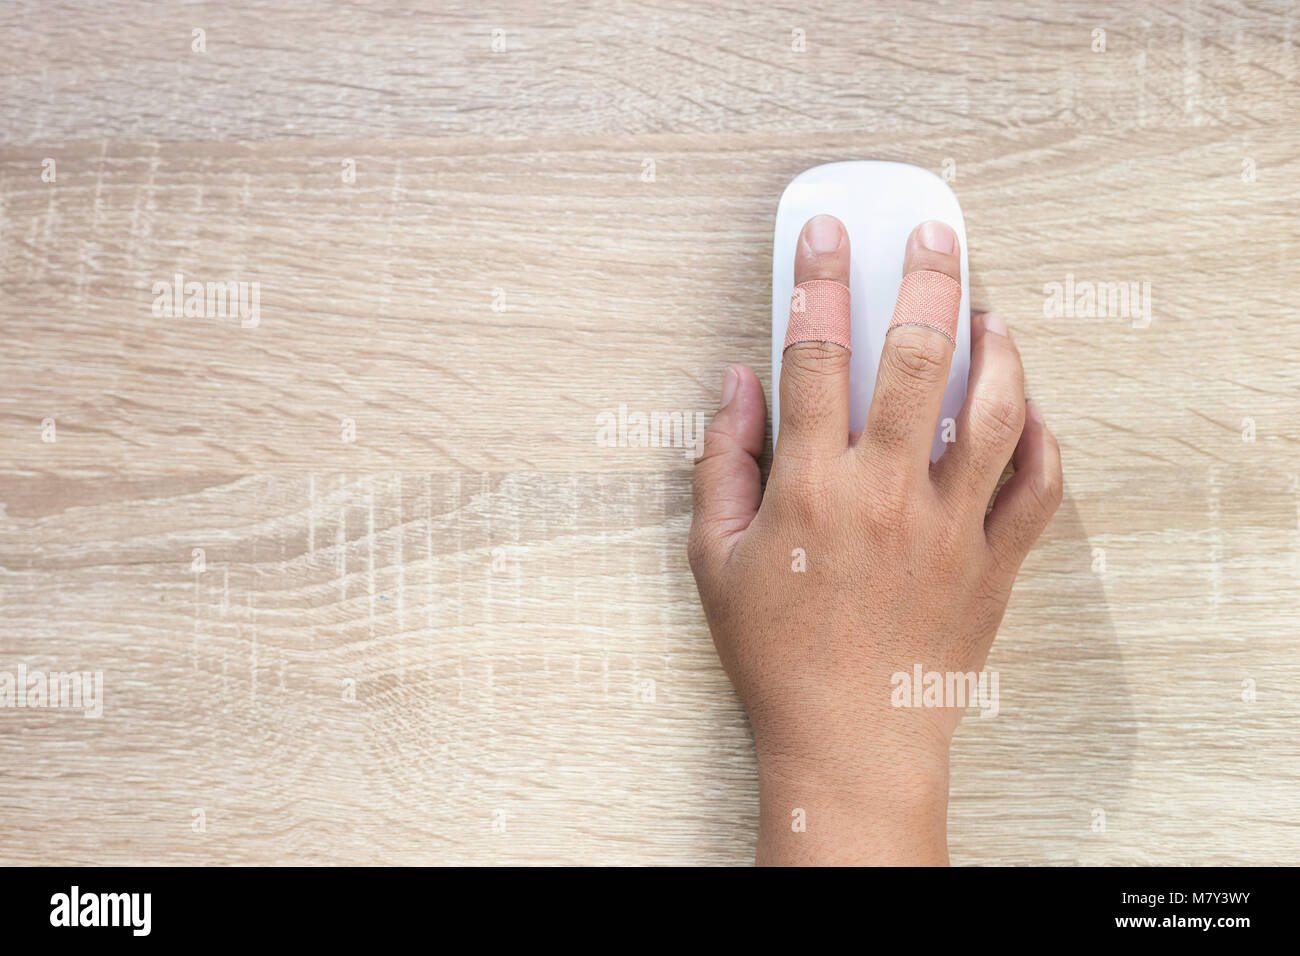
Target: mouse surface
880,204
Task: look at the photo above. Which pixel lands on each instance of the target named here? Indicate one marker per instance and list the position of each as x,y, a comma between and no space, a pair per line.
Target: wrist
873,806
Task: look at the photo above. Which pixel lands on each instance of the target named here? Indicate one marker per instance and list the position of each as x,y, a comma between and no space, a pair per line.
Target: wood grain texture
475,611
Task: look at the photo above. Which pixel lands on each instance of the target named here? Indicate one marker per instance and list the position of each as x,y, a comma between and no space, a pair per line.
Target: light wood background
498,588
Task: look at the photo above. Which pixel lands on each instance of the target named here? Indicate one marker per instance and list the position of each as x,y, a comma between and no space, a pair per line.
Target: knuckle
806,380
1004,560
1048,490
994,583
808,492
716,442
918,356
891,515
805,511
804,496
1000,417
949,535
816,360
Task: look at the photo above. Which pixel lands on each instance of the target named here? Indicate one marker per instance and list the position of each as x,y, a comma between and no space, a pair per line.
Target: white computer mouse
880,204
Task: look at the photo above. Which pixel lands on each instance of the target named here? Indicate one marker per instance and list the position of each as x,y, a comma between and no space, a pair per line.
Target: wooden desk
434,642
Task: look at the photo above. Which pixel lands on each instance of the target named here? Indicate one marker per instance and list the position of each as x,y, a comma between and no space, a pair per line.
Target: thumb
727,484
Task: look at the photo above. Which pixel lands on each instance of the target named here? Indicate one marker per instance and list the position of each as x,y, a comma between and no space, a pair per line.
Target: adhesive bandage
820,312
928,298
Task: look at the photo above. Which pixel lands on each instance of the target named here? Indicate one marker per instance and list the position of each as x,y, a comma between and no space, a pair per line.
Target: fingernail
1035,413
824,234
937,237
994,323
730,382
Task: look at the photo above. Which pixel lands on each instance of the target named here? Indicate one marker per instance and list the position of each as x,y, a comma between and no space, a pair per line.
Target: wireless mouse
880,204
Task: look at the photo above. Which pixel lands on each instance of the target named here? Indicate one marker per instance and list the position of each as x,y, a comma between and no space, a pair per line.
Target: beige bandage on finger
820,312
931,299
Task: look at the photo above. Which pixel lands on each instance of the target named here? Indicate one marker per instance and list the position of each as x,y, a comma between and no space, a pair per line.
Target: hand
903,565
